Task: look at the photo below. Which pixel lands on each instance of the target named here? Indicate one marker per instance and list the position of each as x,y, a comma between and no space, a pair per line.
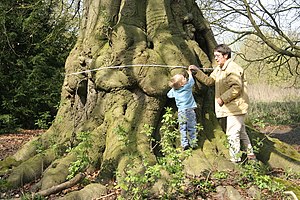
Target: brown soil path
289,134
10,143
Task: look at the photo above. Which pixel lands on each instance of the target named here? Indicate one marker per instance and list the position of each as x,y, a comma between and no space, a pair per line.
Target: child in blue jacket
185,102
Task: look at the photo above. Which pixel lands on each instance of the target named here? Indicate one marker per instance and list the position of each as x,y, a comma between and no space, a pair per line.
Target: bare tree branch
274,24
260,34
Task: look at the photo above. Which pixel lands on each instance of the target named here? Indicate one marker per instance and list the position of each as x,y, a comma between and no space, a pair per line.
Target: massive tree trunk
102,101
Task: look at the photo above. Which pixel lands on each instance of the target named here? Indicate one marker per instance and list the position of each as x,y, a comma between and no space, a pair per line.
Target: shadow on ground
288,134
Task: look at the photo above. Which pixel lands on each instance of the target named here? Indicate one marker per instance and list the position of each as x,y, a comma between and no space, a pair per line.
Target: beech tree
102,101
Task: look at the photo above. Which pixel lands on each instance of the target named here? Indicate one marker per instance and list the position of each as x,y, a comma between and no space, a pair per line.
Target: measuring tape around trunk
128,66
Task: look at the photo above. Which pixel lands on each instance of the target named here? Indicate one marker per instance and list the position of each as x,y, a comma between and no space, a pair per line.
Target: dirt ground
288,134
10,143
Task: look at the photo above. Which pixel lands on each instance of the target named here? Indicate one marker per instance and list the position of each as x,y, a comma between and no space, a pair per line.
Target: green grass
271,105
274,113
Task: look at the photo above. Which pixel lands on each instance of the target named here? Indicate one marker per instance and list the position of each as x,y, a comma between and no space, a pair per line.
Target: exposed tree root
62,186
116,193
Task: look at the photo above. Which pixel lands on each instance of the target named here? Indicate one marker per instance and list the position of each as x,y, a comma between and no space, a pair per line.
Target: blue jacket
184,96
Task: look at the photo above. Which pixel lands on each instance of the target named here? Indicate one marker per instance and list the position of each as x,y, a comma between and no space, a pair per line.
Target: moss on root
31,169
91,191
289,186
57,172
275,153
7,164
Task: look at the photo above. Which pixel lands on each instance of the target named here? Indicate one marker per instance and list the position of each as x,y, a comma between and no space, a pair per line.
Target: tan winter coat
230,85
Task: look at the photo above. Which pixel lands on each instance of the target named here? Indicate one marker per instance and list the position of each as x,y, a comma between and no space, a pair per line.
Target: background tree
255,56
270,25
35,41
99,106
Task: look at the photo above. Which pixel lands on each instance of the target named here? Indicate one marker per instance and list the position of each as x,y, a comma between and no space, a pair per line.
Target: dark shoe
185,148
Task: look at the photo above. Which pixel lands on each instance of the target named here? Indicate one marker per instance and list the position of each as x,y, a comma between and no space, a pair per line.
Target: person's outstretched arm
202,77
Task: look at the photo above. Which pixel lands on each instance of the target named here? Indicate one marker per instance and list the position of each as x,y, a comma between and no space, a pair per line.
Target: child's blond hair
177,81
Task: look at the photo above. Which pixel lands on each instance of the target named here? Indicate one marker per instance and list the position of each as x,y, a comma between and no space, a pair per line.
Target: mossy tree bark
131,32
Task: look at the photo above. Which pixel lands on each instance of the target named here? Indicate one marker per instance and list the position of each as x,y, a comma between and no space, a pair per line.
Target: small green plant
81,151
122,134
220,175
258,145
44,121
259,123
138,181
173,157
8,123
4,185
39,146
148,130
257,174
28,196
204,184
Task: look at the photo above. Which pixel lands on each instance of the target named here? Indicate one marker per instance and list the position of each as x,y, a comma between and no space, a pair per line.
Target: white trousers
236,132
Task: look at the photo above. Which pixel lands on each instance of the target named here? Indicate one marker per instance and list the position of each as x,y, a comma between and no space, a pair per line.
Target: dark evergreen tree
33,48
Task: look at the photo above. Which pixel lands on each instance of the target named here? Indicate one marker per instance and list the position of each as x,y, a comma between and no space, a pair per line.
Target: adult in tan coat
231,99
